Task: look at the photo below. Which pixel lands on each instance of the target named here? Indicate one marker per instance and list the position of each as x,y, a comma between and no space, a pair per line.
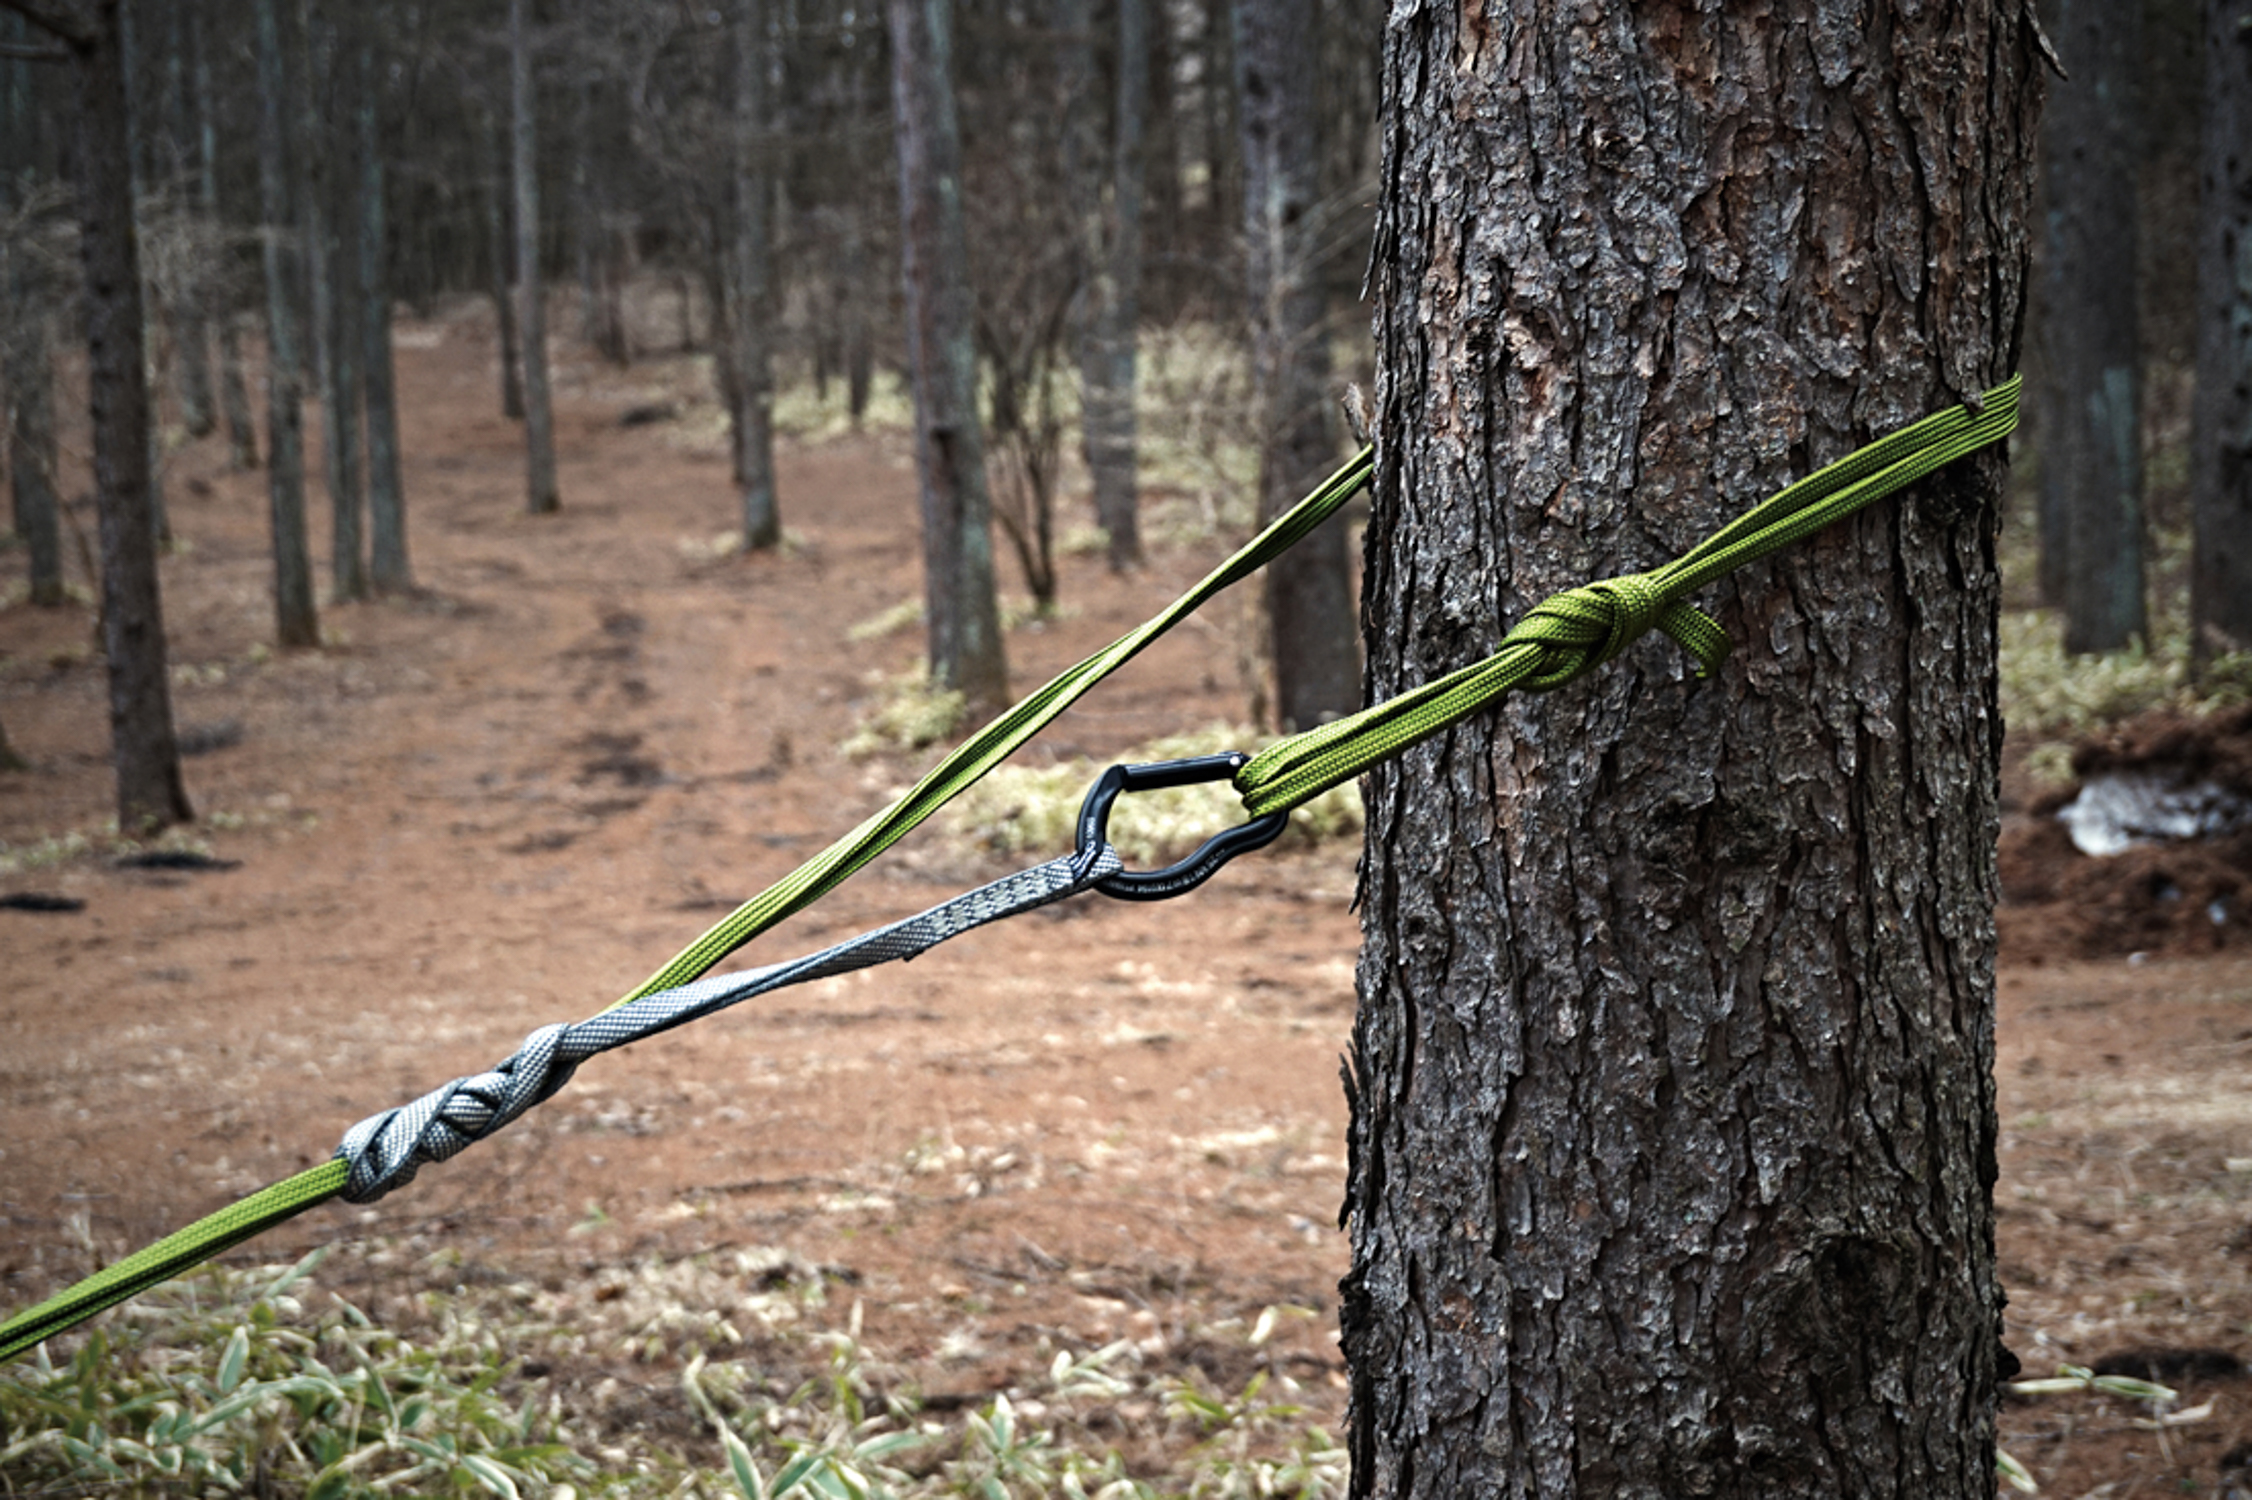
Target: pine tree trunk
234,397
27,368
963,614
2221,421
859,341
30,379
150,793
539,419
2090,418
191,316
858,289
1110,246
1223,156
296,619
1309,589
335,314
152,335
752,265
1673,1135
28,359
1162,174
498,251
234,391
388,568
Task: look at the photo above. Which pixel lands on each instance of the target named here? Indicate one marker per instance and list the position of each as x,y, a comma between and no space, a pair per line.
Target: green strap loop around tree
1557,641
1569,634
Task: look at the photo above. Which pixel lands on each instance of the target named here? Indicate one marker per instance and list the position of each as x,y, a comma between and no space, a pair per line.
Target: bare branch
33,52
56,17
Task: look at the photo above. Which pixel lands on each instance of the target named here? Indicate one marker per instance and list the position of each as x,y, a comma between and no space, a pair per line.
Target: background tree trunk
2221,438
234,392
1110,250
2091,429
27,361
387,502
191,314
150,794
328,171
296,619
1309,589
137,152
962,612
1162,238
539,420
30,378
1673,1137
752,264
1223,138
499,251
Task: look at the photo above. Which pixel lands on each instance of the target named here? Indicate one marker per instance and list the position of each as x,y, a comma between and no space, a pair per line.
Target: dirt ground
504,801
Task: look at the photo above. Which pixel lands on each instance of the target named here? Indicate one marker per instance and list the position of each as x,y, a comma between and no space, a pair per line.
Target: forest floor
507,799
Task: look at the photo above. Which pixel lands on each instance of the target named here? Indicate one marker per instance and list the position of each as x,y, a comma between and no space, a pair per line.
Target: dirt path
505,802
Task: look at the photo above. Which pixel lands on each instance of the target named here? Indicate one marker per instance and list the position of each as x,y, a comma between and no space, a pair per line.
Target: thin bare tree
144,749
541,496
962,613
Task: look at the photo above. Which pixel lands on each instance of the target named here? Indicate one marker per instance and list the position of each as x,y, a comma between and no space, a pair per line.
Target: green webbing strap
1557,641
168,1257
995,743
1570,633
983,751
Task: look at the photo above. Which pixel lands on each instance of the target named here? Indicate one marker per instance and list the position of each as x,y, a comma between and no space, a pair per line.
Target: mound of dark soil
2163,896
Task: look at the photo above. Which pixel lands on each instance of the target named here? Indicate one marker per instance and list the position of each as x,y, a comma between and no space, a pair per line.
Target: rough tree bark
388,569
2090,422
539,419
2221,421
751,296
143,747
962,613
1673,1126
1309,590
296,618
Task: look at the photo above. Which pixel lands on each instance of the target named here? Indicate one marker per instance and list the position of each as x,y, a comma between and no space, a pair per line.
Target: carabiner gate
1188,874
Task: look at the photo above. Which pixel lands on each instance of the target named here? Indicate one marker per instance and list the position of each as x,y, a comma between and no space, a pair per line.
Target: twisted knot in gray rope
386,1150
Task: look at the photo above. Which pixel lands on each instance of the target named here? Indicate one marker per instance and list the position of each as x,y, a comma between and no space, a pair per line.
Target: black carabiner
1156,885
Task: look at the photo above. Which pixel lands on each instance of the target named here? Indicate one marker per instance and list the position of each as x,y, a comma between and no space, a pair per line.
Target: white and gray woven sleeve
386,1150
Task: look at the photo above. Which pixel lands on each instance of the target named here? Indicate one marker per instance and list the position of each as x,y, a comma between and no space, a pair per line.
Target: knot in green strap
1582,628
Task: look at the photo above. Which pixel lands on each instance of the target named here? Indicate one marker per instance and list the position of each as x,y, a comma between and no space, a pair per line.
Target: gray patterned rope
384,1151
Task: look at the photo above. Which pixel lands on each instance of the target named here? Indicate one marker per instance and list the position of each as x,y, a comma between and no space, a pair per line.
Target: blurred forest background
297,172
1100,177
